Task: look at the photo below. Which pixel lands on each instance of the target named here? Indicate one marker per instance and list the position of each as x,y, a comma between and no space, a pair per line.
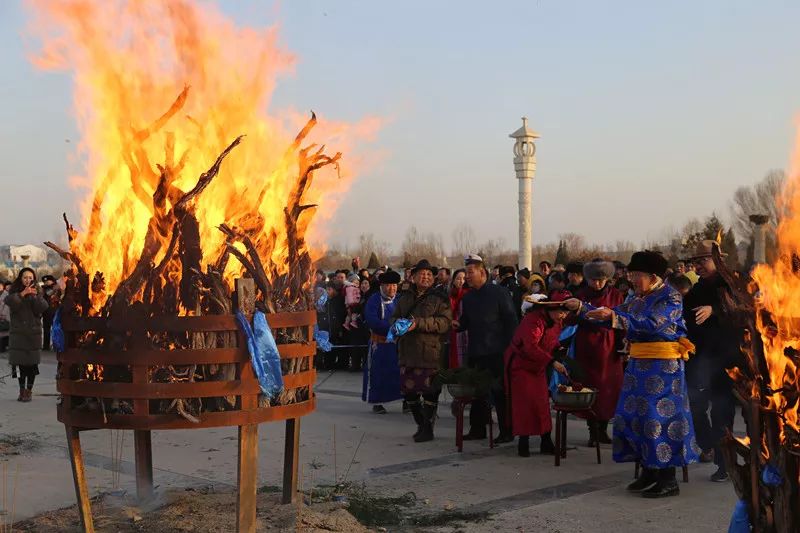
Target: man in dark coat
575,277
331,319
488,317
508,281
717,348
421,350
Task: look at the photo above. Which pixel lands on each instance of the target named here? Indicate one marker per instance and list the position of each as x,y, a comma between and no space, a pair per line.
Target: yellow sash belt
662,350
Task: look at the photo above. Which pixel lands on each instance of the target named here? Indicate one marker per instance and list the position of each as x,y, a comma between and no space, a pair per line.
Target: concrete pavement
518,494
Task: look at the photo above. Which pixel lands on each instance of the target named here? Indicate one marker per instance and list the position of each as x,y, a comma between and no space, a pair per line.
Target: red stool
457,408
561,430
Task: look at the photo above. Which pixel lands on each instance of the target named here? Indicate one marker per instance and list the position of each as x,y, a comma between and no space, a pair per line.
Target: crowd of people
651,339
27,309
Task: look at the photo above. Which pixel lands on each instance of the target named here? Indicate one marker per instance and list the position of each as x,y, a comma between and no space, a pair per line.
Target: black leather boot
592,425
416,411
547,447
478,419
602,432
429,417
647,479
666,485
523,446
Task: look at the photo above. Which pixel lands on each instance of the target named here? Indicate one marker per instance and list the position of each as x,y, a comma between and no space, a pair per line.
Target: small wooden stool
684,468
561,430
457,408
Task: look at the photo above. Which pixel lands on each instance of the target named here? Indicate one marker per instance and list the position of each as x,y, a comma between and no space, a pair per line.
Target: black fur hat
650,262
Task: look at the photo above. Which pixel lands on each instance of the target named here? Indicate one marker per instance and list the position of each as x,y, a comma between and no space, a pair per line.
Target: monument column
525,168
759,238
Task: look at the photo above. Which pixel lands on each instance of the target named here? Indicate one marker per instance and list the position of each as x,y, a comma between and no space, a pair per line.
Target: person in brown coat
421,351
25,332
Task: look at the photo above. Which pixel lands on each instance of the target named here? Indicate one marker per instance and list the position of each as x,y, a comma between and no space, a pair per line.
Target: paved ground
519,494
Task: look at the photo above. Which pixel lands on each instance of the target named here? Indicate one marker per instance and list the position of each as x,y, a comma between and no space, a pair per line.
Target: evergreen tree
713,229
729,247
562,254
373,262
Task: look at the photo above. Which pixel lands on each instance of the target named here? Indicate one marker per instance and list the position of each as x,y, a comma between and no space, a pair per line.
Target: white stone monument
525,167
759,238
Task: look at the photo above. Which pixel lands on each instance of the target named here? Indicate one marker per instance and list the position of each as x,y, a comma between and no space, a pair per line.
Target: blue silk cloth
653,421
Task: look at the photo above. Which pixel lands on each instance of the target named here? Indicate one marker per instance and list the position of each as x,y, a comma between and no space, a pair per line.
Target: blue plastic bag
323,339
398,329
263,353
740,520
57,333
770,476
556,378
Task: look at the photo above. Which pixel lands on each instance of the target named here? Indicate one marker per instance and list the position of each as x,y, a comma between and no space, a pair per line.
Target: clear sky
649,112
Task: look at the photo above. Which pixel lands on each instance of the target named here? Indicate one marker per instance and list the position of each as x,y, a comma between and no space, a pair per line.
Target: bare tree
574,243
544,252
417,245
494,251
463,239
368,245
759,199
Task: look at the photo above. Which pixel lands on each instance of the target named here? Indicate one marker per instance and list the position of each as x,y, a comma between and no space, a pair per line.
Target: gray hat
598,269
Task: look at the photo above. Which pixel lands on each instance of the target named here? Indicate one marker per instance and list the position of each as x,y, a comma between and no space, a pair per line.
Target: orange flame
779,294
164,86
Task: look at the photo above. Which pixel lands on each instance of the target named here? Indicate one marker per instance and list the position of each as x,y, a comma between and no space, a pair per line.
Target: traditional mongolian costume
596,350
381,371
527,359
653,422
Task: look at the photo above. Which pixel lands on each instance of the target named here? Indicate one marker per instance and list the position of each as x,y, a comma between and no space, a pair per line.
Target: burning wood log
168,279
764,466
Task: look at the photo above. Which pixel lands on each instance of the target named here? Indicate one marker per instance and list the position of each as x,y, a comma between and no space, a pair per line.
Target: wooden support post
291,460
248,434
247,475
79,476
755,462
143,450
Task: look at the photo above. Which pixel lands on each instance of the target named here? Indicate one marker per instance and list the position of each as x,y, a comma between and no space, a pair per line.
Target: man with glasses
717,348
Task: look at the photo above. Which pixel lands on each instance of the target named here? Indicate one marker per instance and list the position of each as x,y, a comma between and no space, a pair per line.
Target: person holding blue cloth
653,420
381,371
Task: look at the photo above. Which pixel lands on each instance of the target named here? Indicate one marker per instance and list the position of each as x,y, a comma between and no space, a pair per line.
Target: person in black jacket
717,348
508,280
488,317
331,319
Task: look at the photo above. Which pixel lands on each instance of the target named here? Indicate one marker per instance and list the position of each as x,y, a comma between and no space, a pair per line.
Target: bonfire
765,465
190,186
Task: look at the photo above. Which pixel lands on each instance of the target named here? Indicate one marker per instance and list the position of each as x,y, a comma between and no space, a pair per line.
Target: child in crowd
352,300
557,283
680,283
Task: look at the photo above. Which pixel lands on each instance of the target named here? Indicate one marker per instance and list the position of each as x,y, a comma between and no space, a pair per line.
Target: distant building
34,254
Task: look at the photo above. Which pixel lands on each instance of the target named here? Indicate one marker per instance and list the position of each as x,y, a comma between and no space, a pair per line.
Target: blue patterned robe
653,422
382,371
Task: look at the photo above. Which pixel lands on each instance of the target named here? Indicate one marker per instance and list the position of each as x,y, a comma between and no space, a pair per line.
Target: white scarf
385,300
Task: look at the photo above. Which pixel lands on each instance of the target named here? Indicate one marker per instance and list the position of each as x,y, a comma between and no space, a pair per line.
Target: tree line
736,238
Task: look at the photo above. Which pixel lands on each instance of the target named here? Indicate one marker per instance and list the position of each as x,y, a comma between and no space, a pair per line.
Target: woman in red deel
526,361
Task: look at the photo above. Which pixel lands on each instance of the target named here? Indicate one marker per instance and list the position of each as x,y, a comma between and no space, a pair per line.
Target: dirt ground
195,511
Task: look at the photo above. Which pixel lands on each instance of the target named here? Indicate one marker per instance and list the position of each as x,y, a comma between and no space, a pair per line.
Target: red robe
456,296
596,353
526,361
